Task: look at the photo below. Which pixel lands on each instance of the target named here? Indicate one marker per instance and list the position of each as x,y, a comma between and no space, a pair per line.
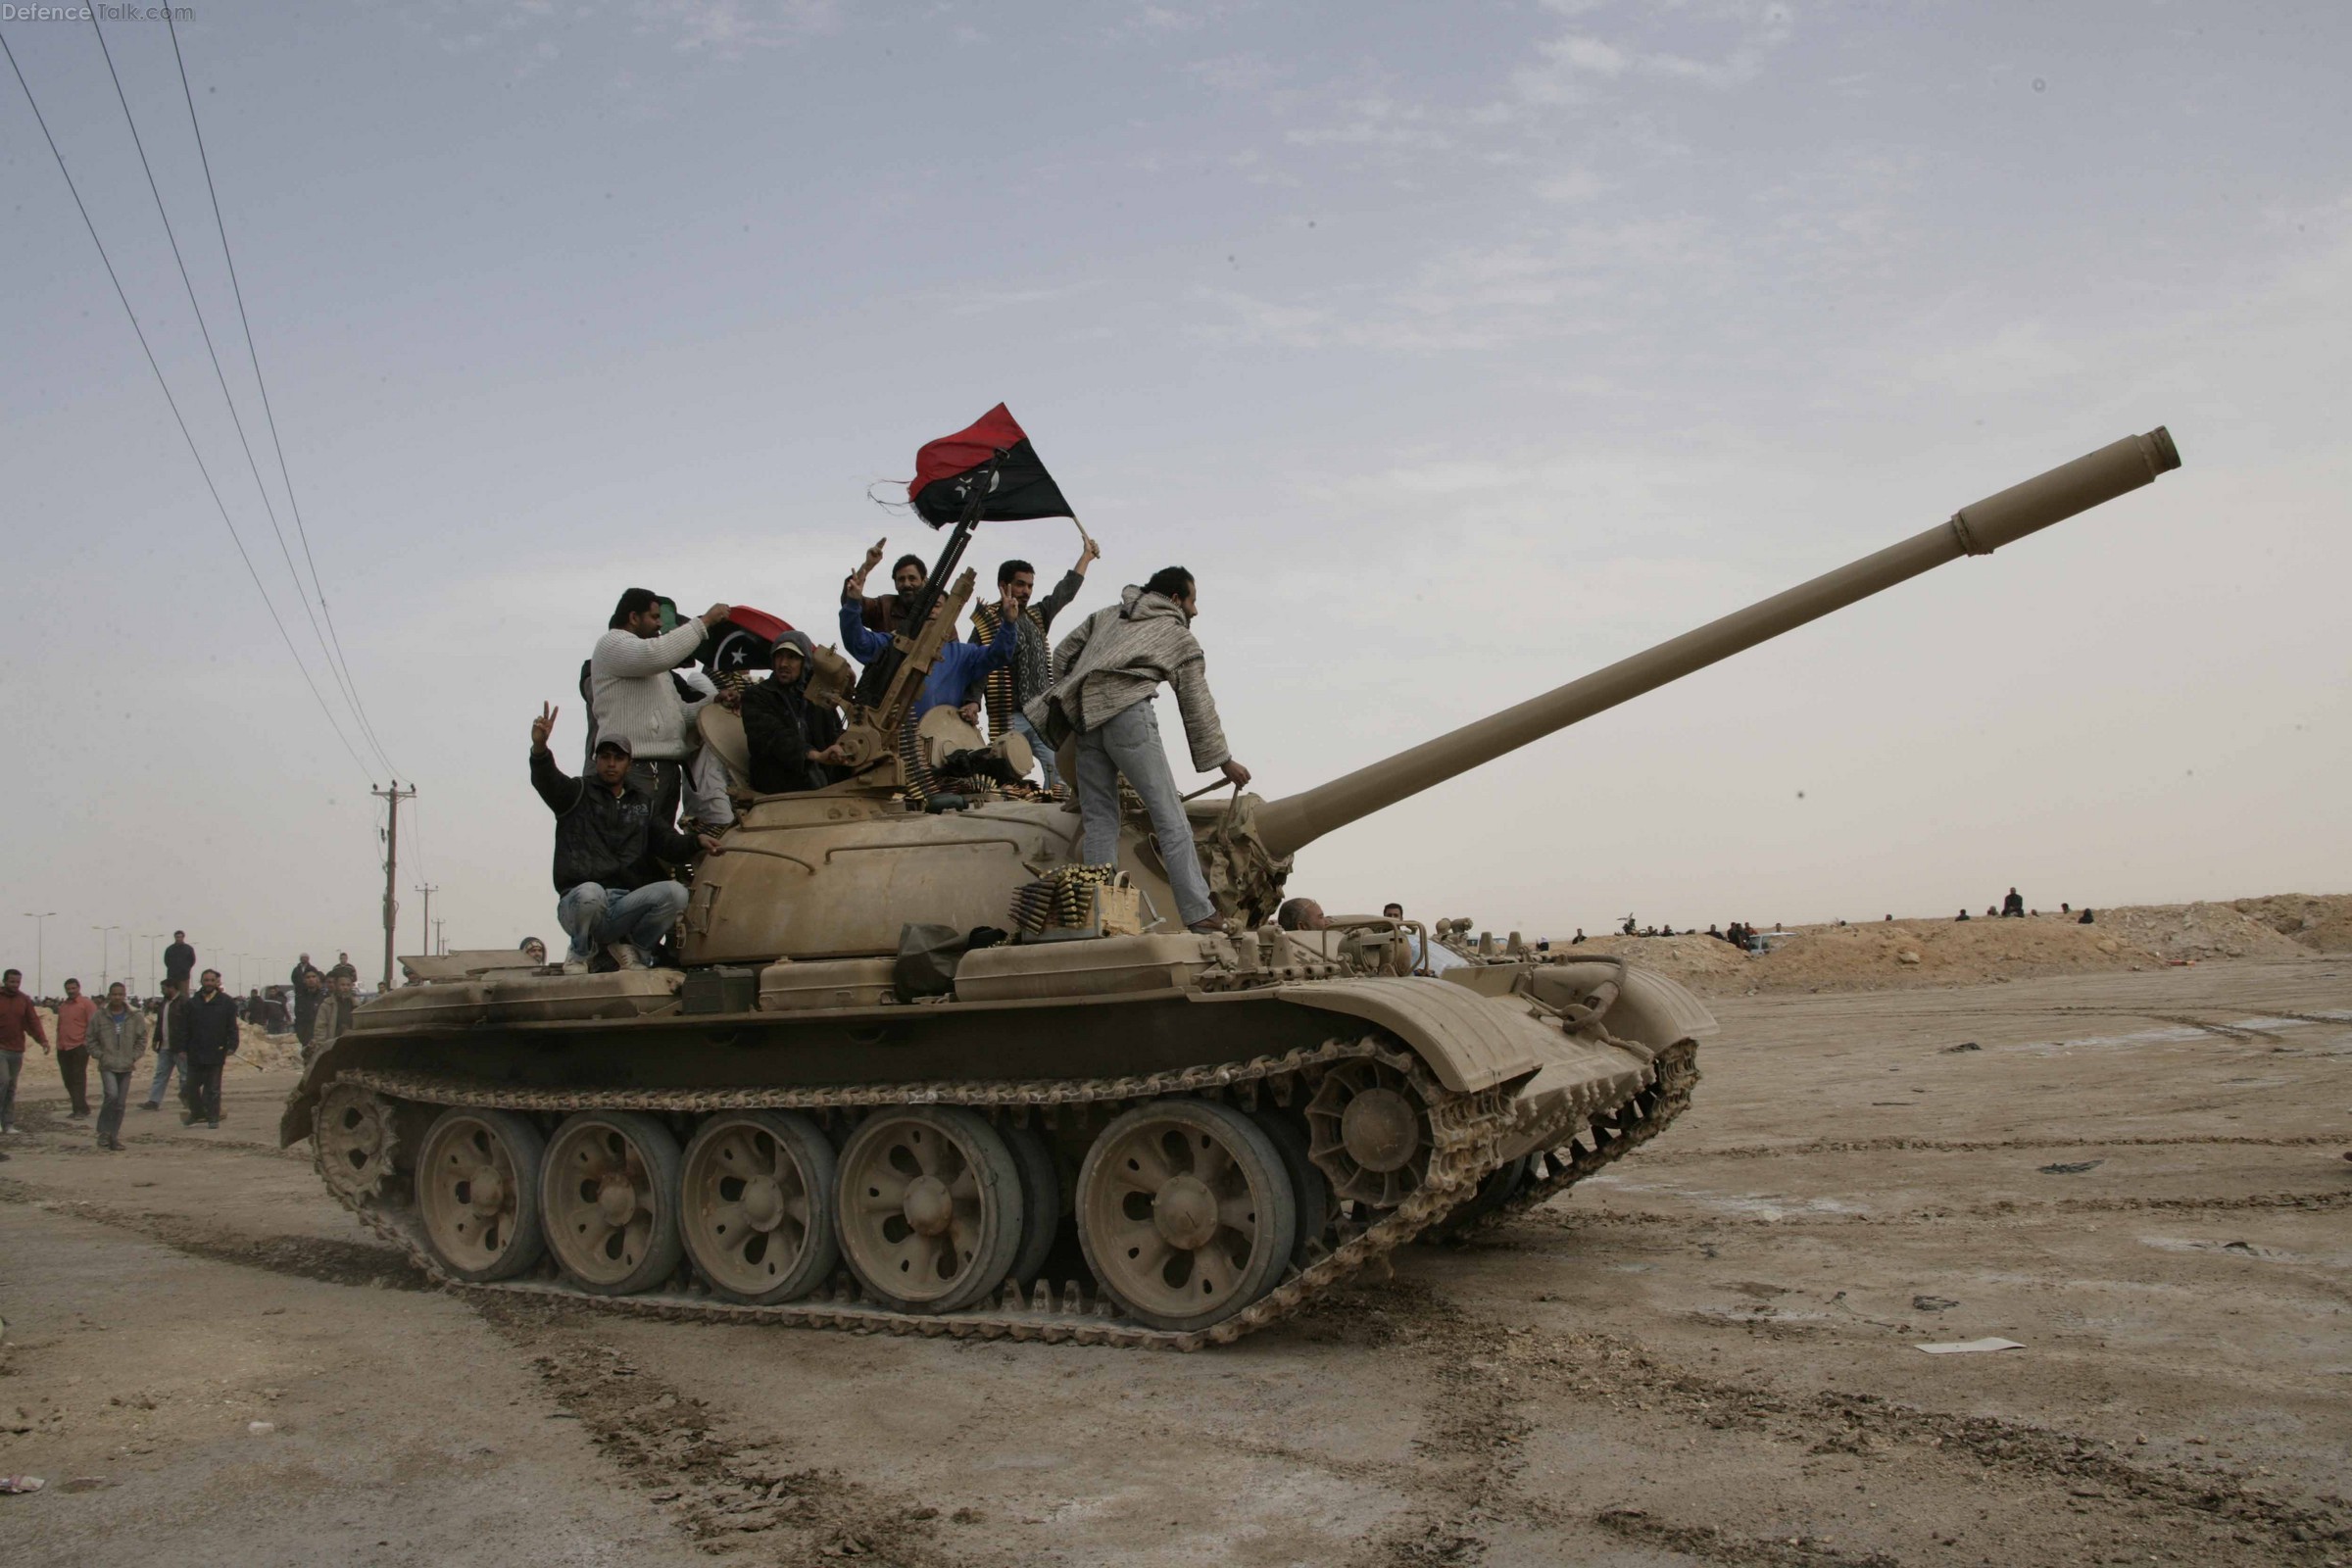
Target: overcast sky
1459,350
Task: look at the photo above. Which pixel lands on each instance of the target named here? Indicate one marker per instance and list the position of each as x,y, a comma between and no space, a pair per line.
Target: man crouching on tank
608,854
1112,666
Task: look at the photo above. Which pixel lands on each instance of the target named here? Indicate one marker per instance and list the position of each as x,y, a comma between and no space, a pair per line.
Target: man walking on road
117,1035
307,997
74,1016
1112,667
170,1030
212,1040
179,961
18,1018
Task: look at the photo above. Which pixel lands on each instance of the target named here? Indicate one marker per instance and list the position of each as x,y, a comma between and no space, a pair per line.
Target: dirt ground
1708,1355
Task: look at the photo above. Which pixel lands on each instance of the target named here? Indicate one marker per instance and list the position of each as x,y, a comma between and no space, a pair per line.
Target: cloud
727,27
1569,65
1237,73
1570,186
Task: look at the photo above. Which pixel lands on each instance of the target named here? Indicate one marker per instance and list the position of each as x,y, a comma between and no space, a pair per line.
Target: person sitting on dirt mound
609,851
1962,916
2086,920
2014,906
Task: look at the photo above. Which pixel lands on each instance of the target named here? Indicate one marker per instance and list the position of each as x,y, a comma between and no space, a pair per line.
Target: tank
920,1071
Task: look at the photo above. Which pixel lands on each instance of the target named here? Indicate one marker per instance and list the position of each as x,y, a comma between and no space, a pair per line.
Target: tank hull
1491,1079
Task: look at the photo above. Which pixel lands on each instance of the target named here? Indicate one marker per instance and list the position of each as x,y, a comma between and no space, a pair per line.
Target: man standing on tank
610,846
211,1038
1112,666
631,697
1024,681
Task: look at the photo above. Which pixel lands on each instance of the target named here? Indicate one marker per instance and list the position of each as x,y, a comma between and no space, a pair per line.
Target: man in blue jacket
959,667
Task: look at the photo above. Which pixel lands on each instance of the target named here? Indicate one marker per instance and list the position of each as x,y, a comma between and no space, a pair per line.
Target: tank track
1609,1137
1463,1127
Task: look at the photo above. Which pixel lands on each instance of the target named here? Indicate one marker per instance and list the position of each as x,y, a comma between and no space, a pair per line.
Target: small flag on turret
991,460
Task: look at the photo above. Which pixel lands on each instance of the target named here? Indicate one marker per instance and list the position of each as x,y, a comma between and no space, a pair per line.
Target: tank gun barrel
1286,825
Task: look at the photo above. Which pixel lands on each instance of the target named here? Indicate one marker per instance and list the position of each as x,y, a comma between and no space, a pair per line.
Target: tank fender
1650,1007
1469,1042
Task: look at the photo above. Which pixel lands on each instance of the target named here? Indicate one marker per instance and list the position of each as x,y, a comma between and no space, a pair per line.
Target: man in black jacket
789,738
610,853
179,961
211,1038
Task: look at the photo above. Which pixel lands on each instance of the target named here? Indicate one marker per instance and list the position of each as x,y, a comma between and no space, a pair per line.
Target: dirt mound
1892,954
2321,921
2198,931
1943,952
1704,964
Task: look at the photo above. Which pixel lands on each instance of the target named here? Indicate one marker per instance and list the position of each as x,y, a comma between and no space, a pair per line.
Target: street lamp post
40,949
106,953
154,974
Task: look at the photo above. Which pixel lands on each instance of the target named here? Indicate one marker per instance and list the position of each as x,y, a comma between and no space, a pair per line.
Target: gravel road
1706,1356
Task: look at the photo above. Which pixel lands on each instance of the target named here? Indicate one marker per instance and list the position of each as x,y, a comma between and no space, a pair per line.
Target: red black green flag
990,462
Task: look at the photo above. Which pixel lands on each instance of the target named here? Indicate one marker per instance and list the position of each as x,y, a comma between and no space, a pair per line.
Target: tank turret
839,872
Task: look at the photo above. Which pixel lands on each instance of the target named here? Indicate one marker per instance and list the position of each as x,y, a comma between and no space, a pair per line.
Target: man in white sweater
631,695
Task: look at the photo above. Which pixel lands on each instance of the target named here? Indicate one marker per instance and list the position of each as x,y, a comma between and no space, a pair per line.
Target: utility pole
40,949
154,972
424,921
105,942
391,797
439,945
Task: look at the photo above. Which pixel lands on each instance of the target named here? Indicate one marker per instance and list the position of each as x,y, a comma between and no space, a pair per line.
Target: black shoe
151,1105
214,1125
78,1115
187,1118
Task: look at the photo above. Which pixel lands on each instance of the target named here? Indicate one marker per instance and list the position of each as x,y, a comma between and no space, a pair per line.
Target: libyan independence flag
991,460
745,639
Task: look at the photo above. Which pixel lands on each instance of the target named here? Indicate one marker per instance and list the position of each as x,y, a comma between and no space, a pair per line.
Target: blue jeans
1021,726
1127,745
164,1063
113,1090
593,918
12,1063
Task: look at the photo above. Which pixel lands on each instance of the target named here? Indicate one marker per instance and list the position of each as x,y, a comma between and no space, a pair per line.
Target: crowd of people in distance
623,851
1740,934
190,1026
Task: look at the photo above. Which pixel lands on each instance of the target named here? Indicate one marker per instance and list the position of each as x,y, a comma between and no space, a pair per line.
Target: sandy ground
1706,1357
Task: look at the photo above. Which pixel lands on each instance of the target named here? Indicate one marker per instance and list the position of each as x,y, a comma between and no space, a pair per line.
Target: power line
351,685
139,144
113,277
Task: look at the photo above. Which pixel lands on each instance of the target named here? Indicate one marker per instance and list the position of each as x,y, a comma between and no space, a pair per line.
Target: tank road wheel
758,1206
930,1208
1315,1209
477,1187
1370,1133
1186,1212
353,1136
1041,1200
609,1199
1498,1187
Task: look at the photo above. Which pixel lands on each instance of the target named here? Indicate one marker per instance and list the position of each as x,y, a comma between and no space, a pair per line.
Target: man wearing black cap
609,851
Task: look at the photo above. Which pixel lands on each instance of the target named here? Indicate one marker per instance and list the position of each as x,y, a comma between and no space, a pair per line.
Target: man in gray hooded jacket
1112,667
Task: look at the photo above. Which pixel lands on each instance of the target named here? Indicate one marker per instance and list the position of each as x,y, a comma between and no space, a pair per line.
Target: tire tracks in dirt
1963,1146
2086,1474
324,1259
719,1489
